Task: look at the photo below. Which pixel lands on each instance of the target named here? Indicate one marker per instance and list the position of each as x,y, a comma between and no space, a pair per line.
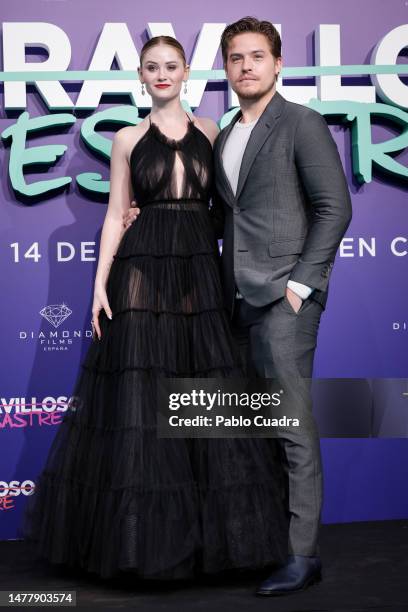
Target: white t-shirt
234,150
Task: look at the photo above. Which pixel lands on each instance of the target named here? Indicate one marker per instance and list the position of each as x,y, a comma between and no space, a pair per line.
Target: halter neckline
172,142
154,131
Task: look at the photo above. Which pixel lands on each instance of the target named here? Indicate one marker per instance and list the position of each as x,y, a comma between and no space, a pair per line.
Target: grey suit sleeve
325,185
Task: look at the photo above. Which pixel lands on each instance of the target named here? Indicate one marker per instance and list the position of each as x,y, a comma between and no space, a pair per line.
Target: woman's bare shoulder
128,136
208,126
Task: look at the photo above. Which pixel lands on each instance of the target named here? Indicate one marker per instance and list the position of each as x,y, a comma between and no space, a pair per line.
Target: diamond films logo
400,326
56,313
58,340
9,491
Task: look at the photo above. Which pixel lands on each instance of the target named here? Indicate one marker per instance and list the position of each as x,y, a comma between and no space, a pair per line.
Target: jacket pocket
274,155
286,247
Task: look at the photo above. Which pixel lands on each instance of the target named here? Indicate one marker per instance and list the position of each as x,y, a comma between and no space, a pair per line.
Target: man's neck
253,109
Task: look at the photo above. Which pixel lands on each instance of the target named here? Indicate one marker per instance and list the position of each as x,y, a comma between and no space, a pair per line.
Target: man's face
251,68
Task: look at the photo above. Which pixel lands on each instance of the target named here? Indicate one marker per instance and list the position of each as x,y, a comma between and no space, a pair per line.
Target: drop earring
143,89
185,87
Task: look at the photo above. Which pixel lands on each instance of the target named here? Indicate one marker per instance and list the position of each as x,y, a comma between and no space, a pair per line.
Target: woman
113,496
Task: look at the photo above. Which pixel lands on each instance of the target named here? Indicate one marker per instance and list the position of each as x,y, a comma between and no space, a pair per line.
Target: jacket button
237,210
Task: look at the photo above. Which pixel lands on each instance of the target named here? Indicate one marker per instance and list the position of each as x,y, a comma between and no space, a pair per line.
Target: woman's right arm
120,195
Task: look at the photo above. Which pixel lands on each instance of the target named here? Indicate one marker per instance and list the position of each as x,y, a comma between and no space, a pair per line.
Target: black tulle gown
112,496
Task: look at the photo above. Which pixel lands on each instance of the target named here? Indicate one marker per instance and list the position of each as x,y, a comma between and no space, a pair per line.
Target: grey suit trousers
276,342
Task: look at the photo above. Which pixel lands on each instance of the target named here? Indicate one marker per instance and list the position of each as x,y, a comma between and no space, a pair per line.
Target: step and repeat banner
68,81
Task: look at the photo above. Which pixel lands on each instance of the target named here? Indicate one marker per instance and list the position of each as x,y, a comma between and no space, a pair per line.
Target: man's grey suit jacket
291,209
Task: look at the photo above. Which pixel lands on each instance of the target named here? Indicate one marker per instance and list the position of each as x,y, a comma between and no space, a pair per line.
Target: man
282,207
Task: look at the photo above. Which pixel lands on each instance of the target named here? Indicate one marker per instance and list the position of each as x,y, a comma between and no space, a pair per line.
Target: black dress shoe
298,573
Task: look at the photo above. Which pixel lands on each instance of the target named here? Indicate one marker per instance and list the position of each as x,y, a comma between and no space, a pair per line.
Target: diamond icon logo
56,313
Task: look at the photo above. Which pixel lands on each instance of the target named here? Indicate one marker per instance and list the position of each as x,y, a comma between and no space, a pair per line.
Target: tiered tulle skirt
113,496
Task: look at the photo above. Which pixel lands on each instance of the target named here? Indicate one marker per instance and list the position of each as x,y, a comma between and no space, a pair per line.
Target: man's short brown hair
251,24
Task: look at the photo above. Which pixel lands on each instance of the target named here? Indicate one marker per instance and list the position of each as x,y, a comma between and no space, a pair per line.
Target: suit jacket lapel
262,130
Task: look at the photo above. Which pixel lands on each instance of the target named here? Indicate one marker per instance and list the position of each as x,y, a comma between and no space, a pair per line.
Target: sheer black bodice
181,169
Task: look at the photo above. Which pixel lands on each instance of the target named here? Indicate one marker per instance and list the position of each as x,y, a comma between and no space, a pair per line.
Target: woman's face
163,72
